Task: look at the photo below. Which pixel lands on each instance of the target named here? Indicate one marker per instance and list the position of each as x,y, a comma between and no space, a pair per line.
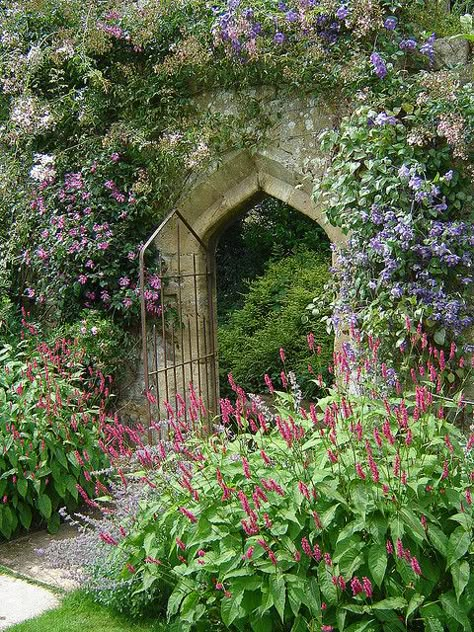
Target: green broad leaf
328,516
277,589
461,573
230,609
313,599
25,514
413,605
438,539
413,523
54,523
22,486
367,626
149,542
296,596
440,337
45,506
326,586
262,624
61,457
341,615
188,606
174,602
464,519
300,625
392,603
458,545
266,602
453,610
433,625
377,561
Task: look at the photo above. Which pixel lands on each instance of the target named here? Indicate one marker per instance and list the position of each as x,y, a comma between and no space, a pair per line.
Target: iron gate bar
175,364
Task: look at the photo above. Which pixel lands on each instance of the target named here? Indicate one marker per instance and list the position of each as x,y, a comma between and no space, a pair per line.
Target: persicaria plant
353,514
53,422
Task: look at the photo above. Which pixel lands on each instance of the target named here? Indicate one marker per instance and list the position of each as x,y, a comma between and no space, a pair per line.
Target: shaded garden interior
271,263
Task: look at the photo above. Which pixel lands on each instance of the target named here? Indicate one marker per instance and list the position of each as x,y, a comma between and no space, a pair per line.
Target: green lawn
79,613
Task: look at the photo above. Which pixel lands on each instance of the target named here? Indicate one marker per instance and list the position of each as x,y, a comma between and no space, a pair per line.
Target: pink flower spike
367,584
415,566
188,514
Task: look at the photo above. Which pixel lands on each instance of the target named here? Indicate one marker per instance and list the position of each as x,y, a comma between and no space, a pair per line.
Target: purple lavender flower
379,65
428,49
279,38
404,171
408,44
342,12
291,16
391,23
396,291
384,119
415,183
448,176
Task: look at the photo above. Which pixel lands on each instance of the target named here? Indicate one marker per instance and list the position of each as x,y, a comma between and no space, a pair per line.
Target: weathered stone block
450,51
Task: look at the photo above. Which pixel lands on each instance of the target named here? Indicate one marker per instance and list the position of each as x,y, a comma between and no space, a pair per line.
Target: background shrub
268,232
271,317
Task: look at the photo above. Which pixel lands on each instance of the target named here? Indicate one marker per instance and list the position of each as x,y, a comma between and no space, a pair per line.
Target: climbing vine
399,183
99,125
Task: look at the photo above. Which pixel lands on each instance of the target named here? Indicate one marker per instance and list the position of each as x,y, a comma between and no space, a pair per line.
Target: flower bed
355,514
53,420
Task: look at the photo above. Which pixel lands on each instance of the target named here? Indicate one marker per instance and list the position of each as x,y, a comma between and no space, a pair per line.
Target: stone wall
284,165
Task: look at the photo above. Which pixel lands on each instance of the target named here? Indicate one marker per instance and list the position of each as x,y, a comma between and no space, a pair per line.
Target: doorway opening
271,263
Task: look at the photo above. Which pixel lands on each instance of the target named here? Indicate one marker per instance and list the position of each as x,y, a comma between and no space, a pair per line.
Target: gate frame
209,325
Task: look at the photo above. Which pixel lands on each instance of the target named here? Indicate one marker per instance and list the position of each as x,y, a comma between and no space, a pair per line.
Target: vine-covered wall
109,110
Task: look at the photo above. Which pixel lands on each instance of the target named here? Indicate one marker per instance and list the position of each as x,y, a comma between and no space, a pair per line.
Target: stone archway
187,243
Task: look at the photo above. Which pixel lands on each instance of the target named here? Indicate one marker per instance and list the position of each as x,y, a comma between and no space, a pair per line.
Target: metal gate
179,334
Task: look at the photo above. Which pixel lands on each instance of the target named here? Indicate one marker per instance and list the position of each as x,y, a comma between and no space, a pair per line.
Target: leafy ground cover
78,612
